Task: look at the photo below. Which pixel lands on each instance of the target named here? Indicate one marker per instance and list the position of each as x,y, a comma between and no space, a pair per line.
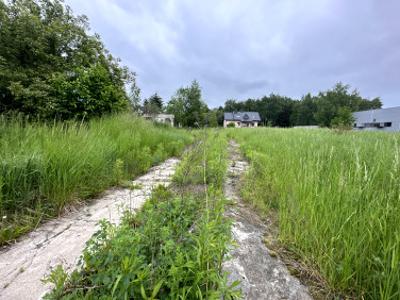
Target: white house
385,119
161,118
242,119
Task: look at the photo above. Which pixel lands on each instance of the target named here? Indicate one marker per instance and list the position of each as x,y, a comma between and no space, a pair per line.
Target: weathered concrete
61,241
261,275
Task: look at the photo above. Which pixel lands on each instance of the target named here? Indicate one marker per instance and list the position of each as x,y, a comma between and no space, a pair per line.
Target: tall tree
153,105
156,101
304,111
187,106
134,98
52,68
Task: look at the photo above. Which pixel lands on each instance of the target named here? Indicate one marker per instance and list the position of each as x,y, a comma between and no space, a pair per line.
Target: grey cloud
240,49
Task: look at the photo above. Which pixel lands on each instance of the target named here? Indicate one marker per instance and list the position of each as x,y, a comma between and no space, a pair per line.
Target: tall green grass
45,167
173,248
338,198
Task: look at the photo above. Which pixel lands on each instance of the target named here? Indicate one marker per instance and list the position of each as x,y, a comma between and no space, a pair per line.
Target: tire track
61,241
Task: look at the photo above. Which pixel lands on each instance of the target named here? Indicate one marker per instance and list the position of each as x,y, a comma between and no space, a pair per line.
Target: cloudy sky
249,48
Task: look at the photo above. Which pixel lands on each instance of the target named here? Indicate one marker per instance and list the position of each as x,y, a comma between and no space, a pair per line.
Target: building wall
239,124
378,119
249,125
161,118
307,127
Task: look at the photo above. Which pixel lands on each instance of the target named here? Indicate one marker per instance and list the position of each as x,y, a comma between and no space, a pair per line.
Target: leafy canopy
188,106
51,67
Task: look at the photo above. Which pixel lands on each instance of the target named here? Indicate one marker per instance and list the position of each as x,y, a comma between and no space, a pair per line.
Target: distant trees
327,109
51,67
304,111
334,102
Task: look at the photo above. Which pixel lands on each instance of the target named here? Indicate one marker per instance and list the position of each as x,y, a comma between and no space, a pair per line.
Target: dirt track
61,241
261,275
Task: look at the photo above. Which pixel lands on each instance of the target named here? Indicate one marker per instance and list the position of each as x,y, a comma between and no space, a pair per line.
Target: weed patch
172,249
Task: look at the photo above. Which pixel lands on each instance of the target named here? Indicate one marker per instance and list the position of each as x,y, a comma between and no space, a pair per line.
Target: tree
188,106
344,119
304,111
51,67
156,102
153,105
134,97
210,118
220,116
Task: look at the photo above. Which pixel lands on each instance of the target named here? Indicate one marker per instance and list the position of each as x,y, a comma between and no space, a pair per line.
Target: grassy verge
172,249
337,197
43,168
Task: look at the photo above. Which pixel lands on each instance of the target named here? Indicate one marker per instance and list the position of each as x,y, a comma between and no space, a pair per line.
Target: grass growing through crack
172,249
206,162
338,201
43,167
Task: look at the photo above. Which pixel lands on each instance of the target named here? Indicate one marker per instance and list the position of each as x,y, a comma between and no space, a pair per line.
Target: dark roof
242,116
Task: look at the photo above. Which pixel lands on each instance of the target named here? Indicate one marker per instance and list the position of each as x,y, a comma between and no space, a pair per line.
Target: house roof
242,116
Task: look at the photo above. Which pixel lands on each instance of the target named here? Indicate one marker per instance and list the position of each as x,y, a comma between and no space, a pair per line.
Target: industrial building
385,119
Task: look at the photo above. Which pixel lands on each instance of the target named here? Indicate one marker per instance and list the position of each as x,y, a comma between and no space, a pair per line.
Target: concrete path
61,241
261,275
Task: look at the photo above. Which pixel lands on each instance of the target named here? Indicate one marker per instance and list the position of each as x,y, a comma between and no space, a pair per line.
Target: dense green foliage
337,196
188,106
320,110
45,167
153,105
344,119
50,67
172,249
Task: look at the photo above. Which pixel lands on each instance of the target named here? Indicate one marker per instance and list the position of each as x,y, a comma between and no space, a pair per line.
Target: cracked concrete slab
61,241
261,275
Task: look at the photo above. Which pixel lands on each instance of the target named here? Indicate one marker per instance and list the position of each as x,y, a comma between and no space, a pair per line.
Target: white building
385,119
242,119
161,118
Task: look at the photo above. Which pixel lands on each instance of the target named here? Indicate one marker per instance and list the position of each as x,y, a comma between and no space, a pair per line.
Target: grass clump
337,196
172,249
45,167
206,162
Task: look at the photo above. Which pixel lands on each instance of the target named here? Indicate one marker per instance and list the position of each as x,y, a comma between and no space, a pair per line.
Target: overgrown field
43,168
172,248
338,202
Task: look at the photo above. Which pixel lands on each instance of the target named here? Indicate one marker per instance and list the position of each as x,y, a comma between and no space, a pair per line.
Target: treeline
51,68
325,109
330,108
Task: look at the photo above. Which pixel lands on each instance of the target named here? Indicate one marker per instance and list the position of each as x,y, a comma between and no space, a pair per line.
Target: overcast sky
250,48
